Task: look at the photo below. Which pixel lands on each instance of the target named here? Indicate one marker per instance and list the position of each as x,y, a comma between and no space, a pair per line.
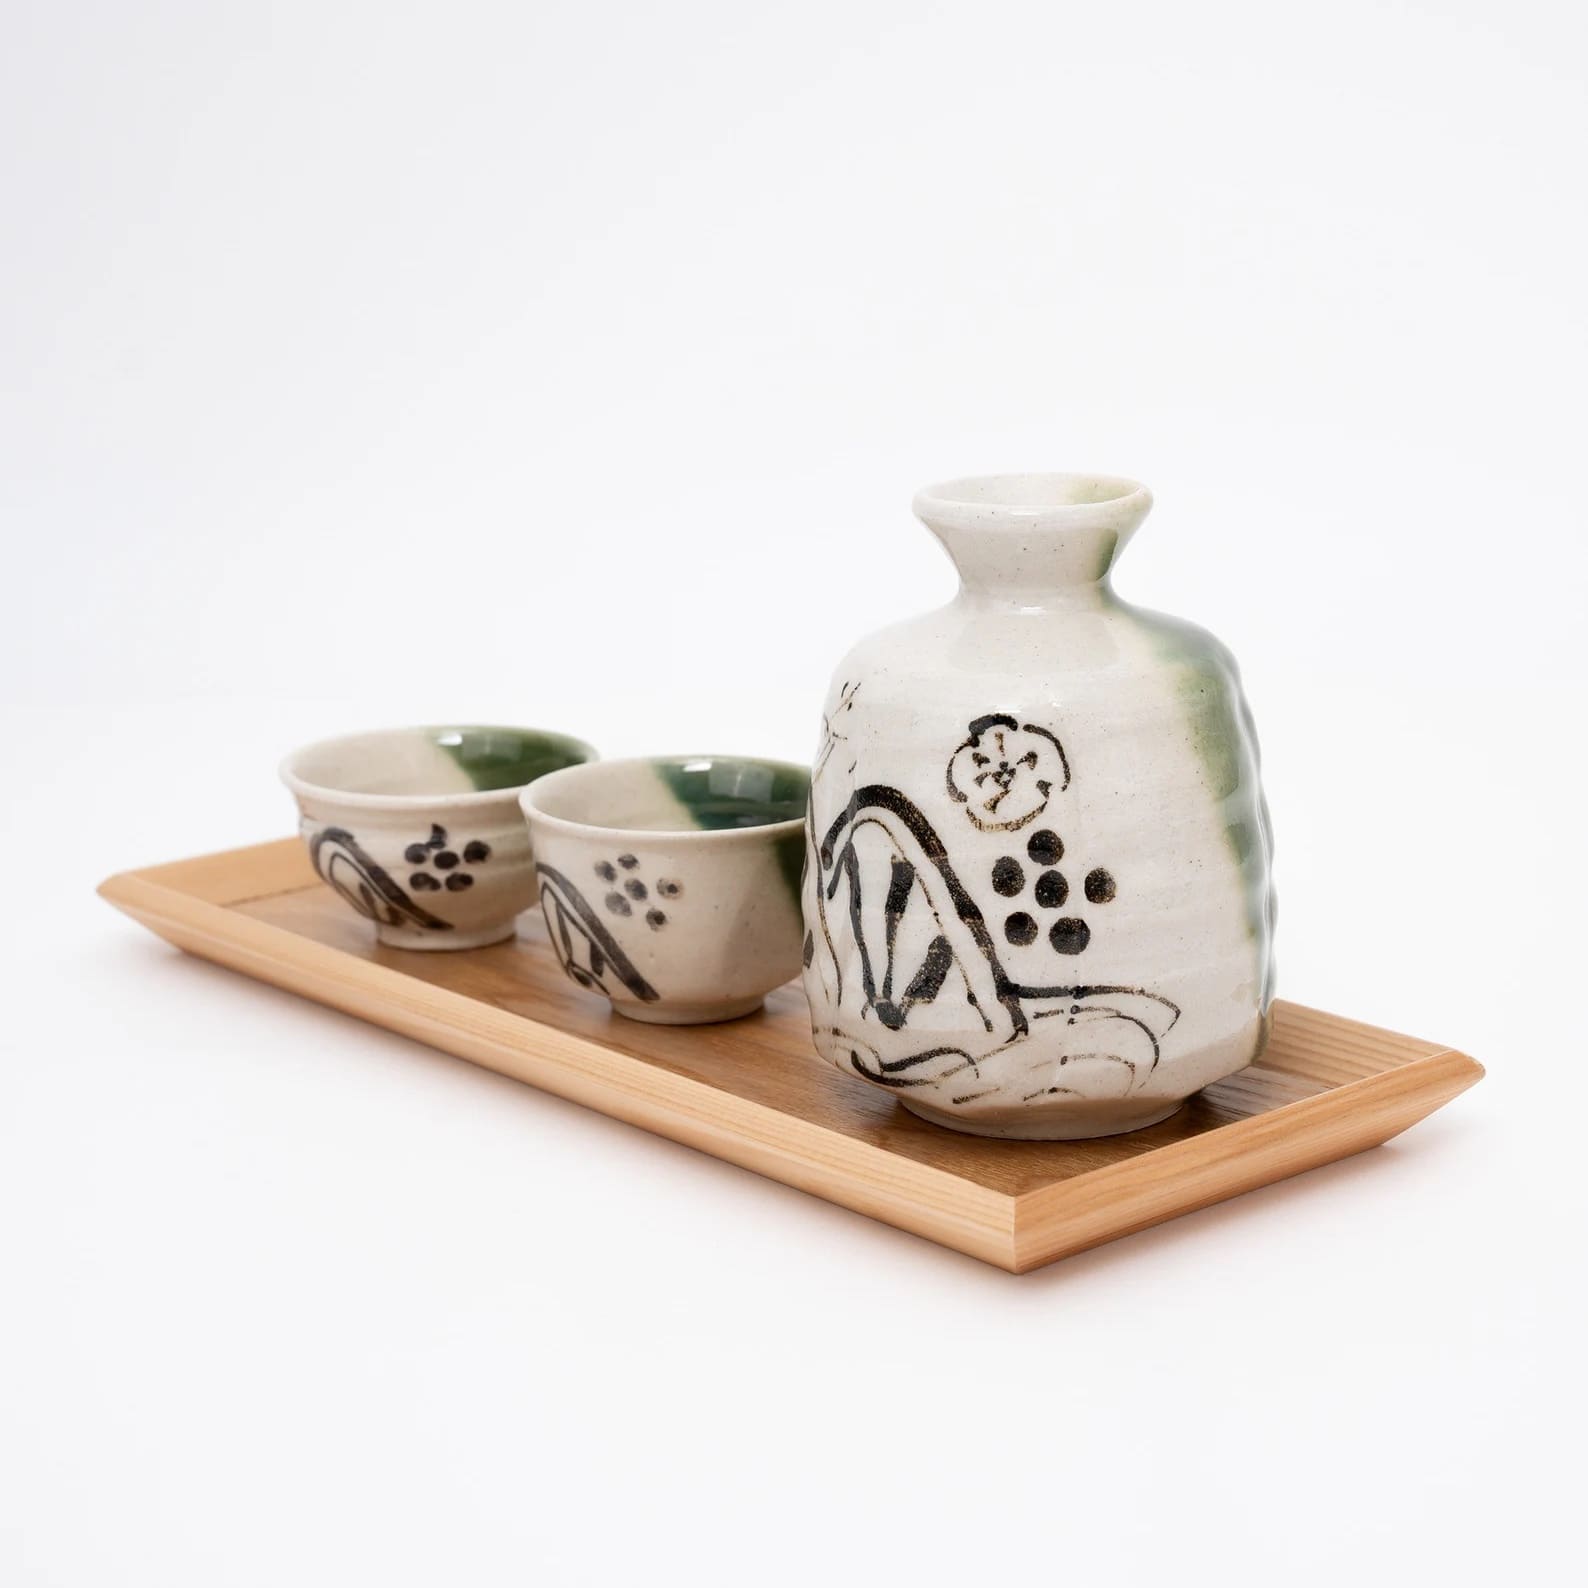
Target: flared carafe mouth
1023,538
1079,501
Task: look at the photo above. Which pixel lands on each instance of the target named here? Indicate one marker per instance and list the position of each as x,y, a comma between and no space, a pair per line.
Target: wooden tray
753,1091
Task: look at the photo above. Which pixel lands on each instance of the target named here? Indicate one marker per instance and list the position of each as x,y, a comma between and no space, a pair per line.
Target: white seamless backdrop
363,364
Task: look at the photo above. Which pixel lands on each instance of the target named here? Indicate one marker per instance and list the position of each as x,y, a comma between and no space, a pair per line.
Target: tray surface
753,1091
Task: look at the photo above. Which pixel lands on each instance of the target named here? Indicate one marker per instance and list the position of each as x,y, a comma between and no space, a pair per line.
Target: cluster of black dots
1051,890
434,852
628,891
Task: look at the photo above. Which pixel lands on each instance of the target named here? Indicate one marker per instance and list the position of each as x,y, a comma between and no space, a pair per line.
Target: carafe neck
1034,541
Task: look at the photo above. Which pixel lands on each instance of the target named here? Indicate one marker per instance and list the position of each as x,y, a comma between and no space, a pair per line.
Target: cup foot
676,1014
429,941
1104,1117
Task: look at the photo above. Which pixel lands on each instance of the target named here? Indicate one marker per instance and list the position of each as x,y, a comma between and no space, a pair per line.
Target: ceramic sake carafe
1037,897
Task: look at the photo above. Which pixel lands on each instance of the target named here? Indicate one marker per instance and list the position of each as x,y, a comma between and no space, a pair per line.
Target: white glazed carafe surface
1036,891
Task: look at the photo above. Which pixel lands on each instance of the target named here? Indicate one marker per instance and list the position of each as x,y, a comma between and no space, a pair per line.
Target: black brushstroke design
879,796
889,1072
1001,760
831,737
839,864
926,983
821,904
899,886
1096,990
924,986
334,852
569,916
1075,1011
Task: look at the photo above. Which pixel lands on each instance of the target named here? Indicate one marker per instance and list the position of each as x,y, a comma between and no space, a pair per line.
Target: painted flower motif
1005,773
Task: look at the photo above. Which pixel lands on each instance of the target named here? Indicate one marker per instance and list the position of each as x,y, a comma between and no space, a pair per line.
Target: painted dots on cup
435,855
630,891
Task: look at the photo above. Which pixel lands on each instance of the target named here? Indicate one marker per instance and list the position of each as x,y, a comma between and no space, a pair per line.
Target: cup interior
433,763
675,794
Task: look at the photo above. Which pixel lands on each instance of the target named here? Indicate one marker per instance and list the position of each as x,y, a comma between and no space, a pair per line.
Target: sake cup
420,830
671,885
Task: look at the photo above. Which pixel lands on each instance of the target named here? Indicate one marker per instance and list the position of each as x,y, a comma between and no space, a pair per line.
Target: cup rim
467,799
688,835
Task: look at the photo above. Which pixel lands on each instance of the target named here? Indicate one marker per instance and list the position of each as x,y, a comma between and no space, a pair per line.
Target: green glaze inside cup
677,794
418,764
493,758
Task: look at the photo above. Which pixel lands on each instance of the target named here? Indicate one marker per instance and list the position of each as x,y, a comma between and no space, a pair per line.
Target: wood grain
753,1091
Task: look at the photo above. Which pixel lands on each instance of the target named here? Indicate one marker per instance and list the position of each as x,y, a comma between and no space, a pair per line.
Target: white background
365,363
